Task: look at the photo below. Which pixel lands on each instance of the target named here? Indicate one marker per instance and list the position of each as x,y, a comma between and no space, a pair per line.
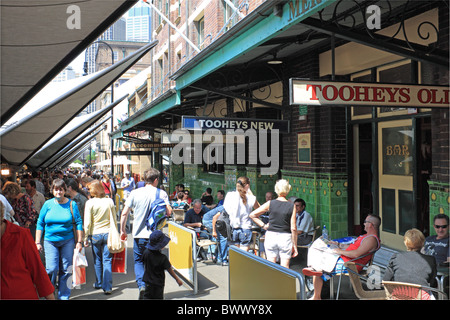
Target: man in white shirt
127,184
305,226
37,197
140,200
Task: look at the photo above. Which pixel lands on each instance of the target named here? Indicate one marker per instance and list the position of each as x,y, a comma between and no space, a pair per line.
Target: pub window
394,73
210,154
200,31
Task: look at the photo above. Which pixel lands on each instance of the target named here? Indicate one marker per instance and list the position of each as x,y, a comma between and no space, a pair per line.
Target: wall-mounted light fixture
275,60
5,170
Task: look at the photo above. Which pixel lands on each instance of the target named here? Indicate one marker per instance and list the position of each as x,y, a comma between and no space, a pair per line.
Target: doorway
396,160
364,195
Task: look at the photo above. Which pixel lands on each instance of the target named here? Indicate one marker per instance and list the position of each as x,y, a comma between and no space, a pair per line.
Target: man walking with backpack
140,201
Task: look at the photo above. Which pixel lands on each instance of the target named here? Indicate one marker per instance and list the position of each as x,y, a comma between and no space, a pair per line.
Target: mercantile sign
222,124
305,92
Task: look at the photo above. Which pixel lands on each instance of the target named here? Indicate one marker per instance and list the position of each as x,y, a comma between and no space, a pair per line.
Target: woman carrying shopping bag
61,223
99,219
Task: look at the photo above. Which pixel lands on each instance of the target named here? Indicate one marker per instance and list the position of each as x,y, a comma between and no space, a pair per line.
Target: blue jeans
223,245
242,237
139,268
102,261
222,250
60,253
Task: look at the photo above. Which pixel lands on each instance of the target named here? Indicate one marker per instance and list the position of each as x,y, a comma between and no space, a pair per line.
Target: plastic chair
306,246
409,291
360,292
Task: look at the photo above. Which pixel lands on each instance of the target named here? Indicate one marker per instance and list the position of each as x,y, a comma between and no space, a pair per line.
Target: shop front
372,135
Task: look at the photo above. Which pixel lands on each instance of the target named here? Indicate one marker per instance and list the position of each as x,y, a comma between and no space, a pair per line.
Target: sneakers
311,272
141,293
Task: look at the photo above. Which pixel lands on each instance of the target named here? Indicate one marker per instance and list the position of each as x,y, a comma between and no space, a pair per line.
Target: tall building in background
67,74
116,32
139,23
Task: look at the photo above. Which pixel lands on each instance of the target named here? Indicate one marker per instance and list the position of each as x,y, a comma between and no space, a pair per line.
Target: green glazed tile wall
439,201
175,177
325,196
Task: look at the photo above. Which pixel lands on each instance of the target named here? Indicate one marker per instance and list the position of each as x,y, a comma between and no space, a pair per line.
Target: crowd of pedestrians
57,214
54,214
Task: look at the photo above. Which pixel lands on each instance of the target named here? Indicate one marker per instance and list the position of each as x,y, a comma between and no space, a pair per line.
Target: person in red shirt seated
364,244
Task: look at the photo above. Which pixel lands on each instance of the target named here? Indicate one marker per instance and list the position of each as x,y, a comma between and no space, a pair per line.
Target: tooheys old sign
303,92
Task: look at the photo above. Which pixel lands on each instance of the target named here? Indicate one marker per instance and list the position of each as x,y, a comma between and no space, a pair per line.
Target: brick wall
440,118
326,124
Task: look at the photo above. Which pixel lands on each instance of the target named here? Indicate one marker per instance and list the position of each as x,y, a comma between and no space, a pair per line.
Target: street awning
120,160
71,131
67,157
23,138
40,38
61,153
72,157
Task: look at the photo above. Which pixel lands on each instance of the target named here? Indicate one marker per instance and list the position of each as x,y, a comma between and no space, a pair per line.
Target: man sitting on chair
305,226
364,244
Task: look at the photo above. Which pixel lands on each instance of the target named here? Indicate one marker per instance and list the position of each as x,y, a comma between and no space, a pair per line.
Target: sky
77,63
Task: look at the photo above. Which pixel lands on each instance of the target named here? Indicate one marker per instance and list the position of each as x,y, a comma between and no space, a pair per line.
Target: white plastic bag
79,268
81,258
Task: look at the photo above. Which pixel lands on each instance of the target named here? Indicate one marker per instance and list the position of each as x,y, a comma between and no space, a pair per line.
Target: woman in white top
238,204
97,213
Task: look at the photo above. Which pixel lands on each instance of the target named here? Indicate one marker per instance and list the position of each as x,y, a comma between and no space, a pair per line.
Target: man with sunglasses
437,245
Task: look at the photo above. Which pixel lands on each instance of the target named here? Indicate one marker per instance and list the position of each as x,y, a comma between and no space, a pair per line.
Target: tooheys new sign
304,92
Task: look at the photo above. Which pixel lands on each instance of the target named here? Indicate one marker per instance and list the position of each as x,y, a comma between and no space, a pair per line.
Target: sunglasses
439,227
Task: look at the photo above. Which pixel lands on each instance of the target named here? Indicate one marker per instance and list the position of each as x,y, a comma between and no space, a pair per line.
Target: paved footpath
212,282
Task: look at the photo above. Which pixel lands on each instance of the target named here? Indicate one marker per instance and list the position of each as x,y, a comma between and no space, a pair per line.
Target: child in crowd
155,263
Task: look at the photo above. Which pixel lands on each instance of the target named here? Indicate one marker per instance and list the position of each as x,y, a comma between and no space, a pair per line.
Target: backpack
156,218
223,225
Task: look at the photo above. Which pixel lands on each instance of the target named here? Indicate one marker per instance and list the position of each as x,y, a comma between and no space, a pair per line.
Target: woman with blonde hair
411,266
281,235
238,204
97,224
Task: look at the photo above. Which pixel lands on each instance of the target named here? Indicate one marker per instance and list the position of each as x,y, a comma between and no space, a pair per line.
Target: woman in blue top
56,219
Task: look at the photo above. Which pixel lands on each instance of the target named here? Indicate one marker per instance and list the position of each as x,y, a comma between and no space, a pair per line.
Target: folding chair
204,243
178,215
306,246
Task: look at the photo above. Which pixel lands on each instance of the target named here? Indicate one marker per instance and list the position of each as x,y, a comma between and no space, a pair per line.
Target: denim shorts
339,268
242,236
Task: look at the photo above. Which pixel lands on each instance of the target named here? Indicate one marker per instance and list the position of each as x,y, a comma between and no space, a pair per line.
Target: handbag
75,235
114,243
